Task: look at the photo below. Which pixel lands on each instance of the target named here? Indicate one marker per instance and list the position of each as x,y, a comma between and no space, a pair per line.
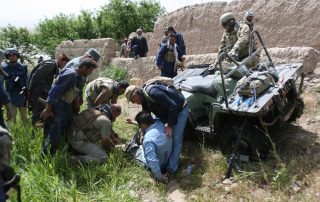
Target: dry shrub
310,100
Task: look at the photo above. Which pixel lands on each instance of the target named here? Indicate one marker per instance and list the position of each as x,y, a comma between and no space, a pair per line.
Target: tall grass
56,179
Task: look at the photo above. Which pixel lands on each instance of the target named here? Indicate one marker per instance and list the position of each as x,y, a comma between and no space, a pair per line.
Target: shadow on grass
297,154
298,148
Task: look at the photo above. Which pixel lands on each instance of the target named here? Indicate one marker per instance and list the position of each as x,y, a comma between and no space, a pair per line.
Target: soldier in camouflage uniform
235,39
248,18
91,127
104,91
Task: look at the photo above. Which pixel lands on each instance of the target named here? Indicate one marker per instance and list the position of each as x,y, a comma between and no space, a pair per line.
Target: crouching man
91,127
156,145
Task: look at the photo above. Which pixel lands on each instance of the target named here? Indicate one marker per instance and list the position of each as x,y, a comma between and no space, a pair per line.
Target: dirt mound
280,23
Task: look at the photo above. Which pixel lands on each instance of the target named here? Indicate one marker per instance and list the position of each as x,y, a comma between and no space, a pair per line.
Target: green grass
55,179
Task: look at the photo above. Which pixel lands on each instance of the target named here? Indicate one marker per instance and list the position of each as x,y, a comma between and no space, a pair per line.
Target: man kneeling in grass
156,145
91,127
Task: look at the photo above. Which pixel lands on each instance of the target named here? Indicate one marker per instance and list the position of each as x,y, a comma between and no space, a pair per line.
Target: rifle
235,152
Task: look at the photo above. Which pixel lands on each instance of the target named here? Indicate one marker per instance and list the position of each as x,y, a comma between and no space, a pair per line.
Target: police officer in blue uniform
15,81
168,57
4,100
61,100
179,40
92,54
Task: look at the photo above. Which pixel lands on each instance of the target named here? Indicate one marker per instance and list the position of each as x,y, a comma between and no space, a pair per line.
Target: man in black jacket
40,81
139,45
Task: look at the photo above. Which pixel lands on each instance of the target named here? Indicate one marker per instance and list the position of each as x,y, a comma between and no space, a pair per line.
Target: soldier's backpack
161,80
35,71
254,84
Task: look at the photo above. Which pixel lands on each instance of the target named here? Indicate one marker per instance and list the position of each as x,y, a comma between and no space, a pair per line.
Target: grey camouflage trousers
90,152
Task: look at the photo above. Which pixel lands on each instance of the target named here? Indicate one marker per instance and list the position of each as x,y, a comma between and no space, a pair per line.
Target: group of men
54,89
136,47
163,135
171,50
159,152
235,39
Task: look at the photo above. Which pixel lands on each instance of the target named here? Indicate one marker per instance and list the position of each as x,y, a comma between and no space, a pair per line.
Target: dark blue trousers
57,132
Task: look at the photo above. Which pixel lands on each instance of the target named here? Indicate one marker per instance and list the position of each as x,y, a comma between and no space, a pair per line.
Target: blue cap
94,54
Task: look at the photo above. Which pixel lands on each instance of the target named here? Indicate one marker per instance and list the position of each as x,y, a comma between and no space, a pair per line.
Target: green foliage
19,38
50,32
148,12
86,25
281,179
118,18
56,179
121,17
115,72
16,37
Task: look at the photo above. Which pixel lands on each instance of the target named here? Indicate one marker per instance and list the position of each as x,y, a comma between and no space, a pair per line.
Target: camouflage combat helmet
226,17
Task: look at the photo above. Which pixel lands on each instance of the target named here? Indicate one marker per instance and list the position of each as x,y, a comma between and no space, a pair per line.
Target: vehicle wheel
298,110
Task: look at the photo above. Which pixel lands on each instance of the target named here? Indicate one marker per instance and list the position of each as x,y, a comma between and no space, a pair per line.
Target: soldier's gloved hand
213,66
232,53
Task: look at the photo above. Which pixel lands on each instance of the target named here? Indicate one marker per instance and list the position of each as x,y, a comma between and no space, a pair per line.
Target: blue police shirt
15,81
66,80
74,63
157,148
167,67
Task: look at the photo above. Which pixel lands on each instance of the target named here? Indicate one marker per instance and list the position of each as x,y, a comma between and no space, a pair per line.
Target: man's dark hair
64,57
172,35
88,63
170,29
144,118
123,84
